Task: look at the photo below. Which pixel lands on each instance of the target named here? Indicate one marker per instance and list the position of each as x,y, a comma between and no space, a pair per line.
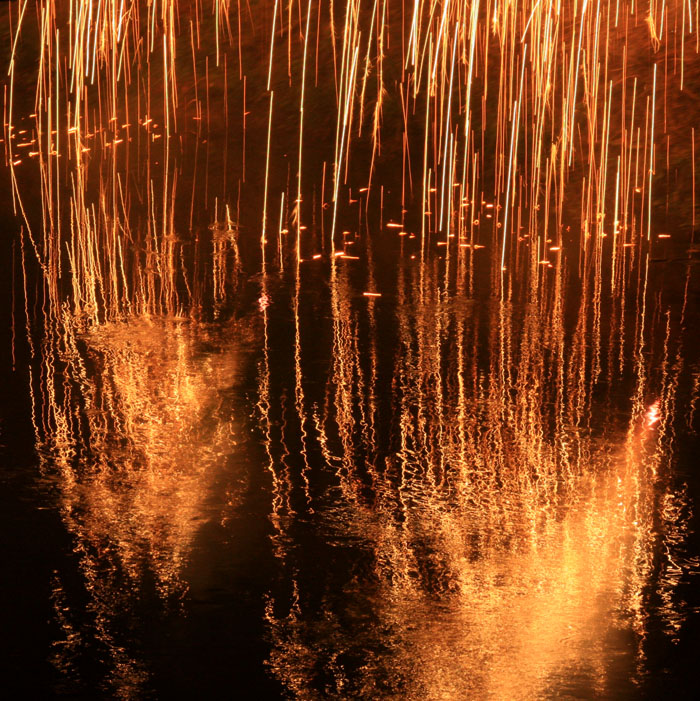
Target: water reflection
489,525
467,496
133,439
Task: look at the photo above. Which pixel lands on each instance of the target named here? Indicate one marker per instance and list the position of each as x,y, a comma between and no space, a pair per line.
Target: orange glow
653,414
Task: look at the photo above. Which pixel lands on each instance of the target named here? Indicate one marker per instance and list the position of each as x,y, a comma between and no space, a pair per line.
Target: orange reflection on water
146,431
508,544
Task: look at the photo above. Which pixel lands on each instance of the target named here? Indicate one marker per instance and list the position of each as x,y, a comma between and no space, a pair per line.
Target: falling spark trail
267,172
512,157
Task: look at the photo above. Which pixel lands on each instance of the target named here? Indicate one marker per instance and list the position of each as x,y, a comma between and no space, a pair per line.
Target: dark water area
269,433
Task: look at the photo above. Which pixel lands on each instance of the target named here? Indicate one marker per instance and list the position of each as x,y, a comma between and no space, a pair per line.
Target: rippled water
426,494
